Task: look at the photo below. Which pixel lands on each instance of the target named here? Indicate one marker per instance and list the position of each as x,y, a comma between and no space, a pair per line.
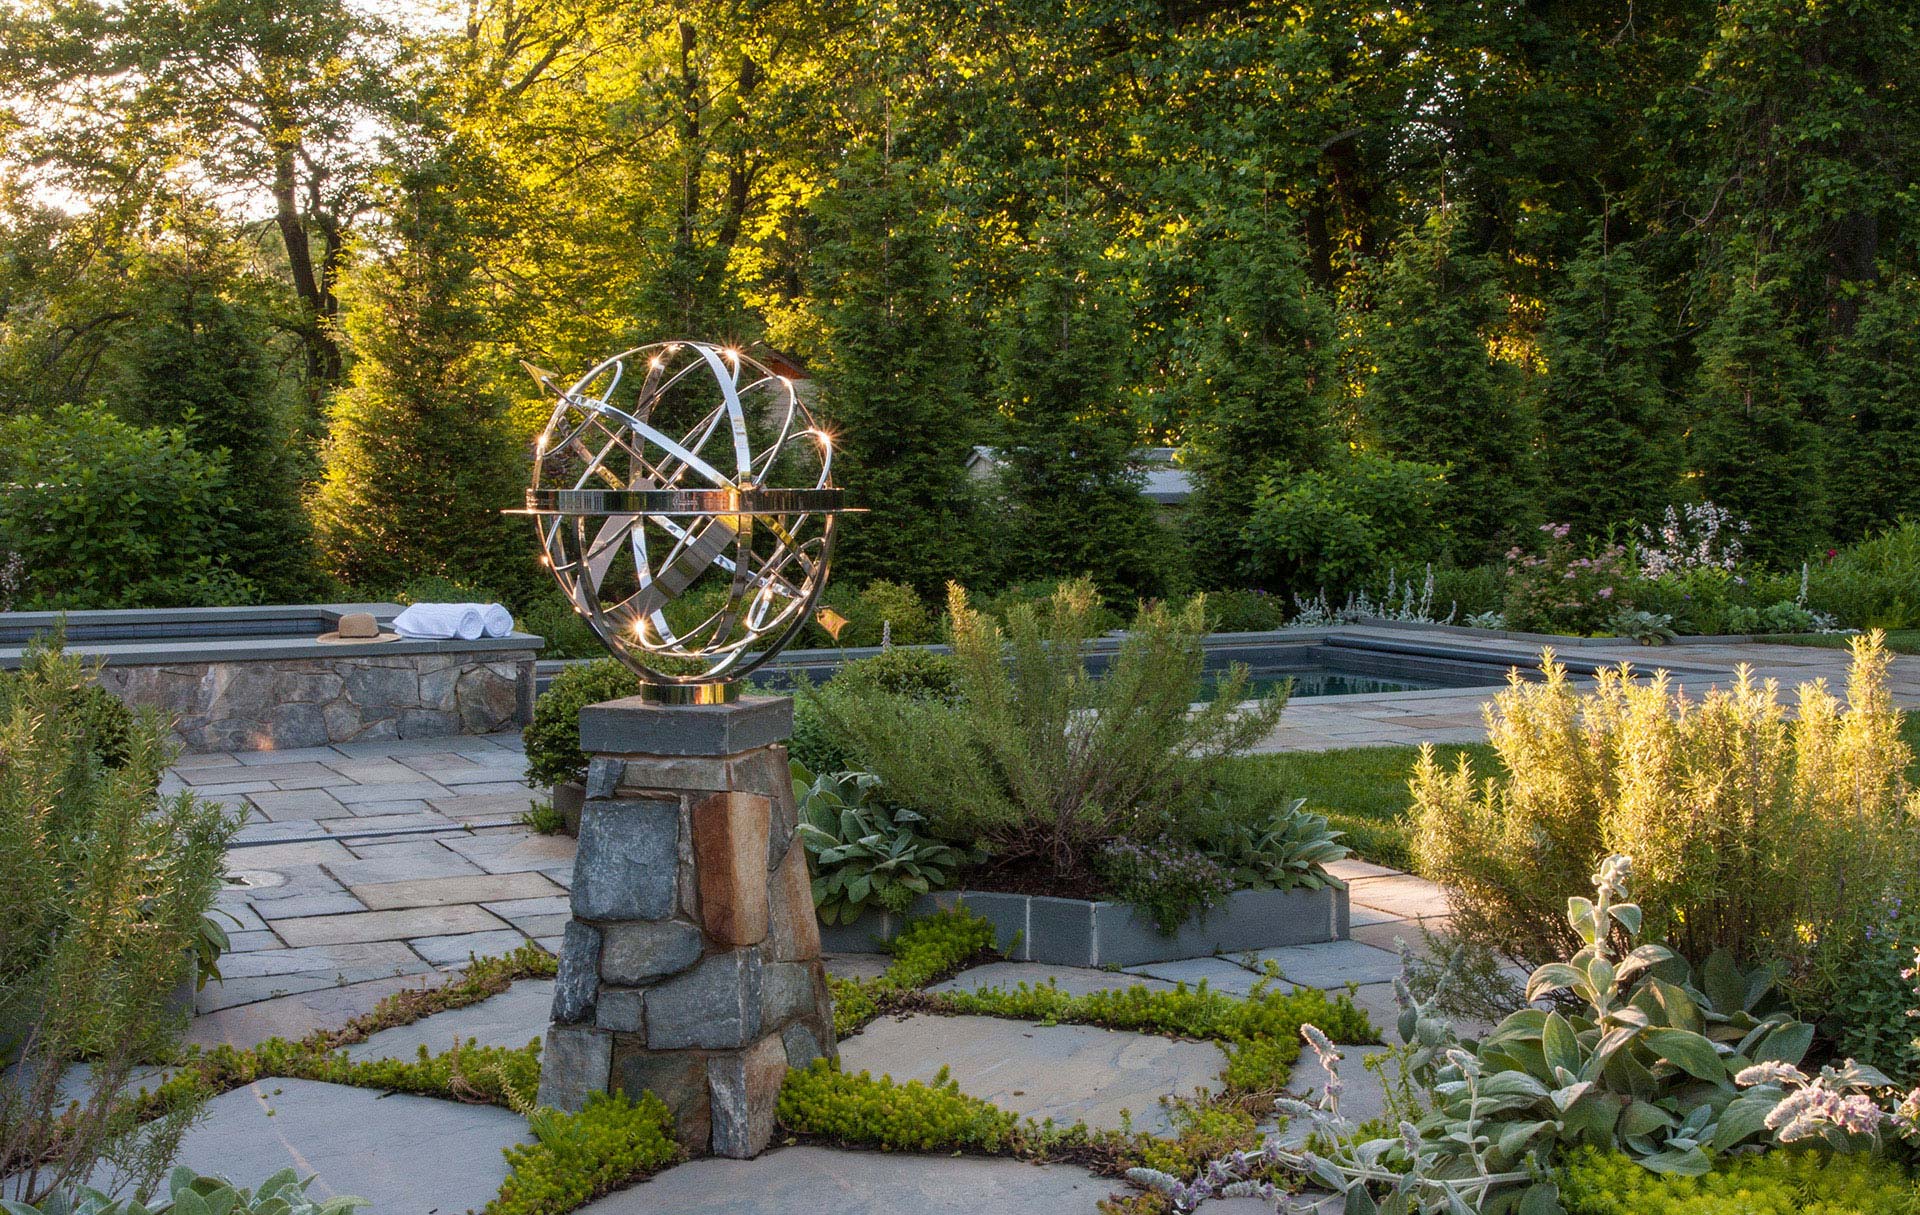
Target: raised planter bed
1079,932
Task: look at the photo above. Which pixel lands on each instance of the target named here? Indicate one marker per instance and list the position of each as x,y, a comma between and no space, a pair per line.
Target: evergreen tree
420,461
1262,383
200,362
895,380
1436,395
1757,448
1069,494
1874,384
1611,453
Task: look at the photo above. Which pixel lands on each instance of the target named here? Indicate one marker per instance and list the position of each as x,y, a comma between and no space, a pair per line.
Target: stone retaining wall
311,702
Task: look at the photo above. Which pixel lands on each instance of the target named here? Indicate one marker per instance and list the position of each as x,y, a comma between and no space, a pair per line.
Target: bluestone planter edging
1081,932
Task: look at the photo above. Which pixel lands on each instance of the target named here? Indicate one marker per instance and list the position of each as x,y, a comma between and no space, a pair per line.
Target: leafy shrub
889,611
107,888
1470,591
1330,528
553,736
1038,762
1700,599
1867,1011
1252,611
190,1193
1044,600
1874,584
552,619
108,515
1774,839
1784,616
1557,591
1647,628
863,852
1166,881
576,1158
101,720
1594,1182
1643,1062
820,747
1290,850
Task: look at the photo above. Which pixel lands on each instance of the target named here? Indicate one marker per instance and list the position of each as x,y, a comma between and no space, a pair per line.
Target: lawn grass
1900,641
1361,790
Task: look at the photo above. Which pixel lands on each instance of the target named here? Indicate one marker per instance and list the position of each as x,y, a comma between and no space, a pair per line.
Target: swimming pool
1332,681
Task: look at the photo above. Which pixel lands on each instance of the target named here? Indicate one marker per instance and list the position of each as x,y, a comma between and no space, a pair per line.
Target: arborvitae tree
419,459
894,377
1436,394
1069,493
200,362
1610,448
1261,385
1755,445
1873,379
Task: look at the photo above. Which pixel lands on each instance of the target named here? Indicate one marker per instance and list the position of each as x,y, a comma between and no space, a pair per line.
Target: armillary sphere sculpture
685,502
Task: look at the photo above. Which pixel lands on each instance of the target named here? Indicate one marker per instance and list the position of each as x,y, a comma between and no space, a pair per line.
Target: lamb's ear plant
1641,1062
1289,851
864,852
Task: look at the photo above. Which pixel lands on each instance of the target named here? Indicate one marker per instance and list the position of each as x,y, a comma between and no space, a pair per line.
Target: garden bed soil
1095,933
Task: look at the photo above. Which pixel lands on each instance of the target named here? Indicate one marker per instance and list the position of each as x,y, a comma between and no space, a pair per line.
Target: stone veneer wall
691,967
310,702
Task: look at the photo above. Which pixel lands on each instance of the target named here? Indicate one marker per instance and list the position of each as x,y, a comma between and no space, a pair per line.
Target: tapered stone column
691,967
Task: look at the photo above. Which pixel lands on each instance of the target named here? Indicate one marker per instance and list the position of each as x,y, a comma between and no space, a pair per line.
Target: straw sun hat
355,628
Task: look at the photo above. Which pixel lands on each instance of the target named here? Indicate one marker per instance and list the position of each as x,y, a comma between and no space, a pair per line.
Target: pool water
1327,681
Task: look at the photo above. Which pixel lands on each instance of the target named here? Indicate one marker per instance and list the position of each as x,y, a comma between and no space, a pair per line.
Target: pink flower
1606,592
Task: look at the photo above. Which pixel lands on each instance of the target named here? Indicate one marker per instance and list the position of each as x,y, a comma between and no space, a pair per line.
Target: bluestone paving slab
300,906
406,862
1333,963
1074,980
408,1155
317,958
285,804
511,1019
441,892
1353,869
1068,1073
233,794
247,942
1405,896
814,1179
298,1014
514,853
457,950
516,909
233,993
391,791
367,830
390,809
470,805
275,856
1218,973
1365,1093
386,925
262,772
292,755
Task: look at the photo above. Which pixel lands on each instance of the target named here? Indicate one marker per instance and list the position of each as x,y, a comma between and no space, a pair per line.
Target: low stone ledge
1081,932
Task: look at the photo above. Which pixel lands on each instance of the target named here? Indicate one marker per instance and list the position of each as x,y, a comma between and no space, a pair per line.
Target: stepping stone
442,892
386,925
301,1013
455,952
1365,1094
1069,1073
1407,896
861,1183
1219,973
1353,869
511,1019
1074,980
408,1155
1333,964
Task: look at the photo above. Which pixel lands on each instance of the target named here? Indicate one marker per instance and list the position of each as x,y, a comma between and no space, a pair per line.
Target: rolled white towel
441,621
497,620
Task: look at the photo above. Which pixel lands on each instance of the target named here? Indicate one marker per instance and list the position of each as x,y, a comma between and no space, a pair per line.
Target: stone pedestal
691,967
